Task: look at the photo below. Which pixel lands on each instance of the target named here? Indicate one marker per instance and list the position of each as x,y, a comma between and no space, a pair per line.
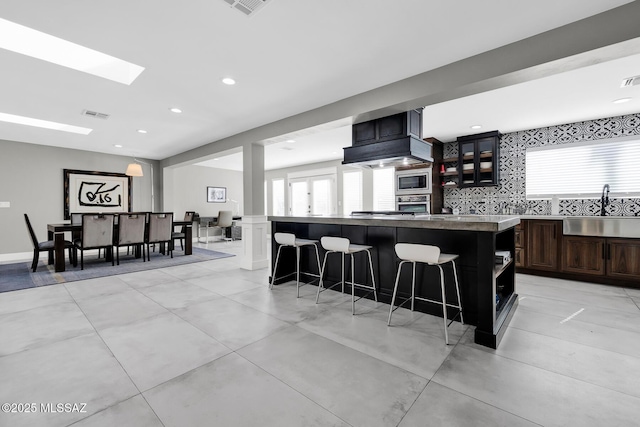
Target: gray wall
188,188
31,179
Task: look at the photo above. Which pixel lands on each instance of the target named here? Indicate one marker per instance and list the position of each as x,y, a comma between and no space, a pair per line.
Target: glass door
312,196
299,198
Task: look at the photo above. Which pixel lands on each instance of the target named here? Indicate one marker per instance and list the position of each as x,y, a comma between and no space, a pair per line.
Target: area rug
19,275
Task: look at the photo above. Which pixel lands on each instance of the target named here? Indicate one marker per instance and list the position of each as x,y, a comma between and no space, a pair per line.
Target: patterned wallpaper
510,193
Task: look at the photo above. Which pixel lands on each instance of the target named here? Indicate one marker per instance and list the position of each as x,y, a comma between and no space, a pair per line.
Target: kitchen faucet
604,200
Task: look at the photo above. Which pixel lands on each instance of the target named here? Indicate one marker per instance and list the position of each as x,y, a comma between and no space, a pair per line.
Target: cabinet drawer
519,238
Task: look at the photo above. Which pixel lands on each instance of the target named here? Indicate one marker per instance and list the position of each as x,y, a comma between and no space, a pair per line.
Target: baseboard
20,256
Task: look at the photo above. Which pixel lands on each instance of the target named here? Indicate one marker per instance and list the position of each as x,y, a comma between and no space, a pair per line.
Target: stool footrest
437,302
359,284
400,305
317,276
326,288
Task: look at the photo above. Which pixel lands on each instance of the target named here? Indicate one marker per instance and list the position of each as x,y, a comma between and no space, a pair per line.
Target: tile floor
210,345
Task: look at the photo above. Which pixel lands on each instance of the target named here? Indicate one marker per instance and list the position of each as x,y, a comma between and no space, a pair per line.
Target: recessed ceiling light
175,110
117,145
228,81
216,159
621,100
476,127
27,41
28,121
142,131
291,141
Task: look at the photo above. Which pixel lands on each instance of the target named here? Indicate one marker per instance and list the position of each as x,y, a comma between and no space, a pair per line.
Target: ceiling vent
631,81
95,114
248,7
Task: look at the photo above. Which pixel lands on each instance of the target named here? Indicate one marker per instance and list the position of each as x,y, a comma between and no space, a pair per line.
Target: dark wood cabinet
543,238
520,257
479,159
583,255
623,258
542,249
408,123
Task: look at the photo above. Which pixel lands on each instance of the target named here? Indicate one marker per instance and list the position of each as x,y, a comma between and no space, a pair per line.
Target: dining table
56,232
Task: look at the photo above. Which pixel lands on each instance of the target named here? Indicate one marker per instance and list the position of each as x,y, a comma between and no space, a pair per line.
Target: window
277,197
351,192
383,189
581,170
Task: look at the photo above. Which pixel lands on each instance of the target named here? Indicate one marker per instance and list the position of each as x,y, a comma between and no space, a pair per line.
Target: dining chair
97,233
76,219
160,229
188,216
130,231
225,220
44,246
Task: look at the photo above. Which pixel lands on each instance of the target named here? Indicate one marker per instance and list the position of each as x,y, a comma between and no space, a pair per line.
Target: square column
254,220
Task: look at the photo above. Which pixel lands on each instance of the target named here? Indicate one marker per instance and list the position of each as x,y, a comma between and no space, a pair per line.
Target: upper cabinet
479,159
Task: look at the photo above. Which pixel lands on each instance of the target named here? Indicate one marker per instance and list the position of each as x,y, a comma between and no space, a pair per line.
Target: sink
602,226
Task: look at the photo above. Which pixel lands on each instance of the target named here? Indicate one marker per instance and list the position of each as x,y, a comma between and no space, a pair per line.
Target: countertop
491,223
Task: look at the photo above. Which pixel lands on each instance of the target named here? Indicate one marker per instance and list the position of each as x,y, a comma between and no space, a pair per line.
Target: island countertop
492,223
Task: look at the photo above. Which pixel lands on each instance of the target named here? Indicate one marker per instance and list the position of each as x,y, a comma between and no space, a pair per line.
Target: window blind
383,189
351,192
581,170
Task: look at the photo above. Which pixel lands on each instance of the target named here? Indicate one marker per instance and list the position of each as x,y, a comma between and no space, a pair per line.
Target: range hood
389,141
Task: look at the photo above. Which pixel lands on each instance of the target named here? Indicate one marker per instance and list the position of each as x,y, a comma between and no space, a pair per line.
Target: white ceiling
290,57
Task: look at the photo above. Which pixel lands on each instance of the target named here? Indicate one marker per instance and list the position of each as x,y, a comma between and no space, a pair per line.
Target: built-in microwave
416,203
413,181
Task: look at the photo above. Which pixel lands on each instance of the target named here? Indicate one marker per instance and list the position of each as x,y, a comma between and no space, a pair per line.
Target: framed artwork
90,191
216,194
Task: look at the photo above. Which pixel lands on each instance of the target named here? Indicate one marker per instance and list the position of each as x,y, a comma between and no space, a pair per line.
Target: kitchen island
488,289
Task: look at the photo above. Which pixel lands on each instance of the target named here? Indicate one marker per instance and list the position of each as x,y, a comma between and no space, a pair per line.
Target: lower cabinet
520,257
623,258
543,241
541,246
583,255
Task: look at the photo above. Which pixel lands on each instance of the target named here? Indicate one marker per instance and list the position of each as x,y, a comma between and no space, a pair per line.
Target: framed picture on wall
91,191
216,194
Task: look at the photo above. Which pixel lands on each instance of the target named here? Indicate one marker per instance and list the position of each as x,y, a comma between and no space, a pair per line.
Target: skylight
27,41
21,120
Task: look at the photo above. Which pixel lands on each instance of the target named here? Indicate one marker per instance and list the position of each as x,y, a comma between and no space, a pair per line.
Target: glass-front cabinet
479,159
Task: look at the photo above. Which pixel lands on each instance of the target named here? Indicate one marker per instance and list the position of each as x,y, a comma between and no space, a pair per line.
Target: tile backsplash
510,193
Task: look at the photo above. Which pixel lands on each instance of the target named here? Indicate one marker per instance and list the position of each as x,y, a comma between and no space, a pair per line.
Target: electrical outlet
5,204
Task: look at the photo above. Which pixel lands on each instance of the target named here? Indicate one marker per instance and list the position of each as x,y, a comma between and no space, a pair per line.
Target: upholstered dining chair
225,220
44,246
131,231
97,232
188,216
160,229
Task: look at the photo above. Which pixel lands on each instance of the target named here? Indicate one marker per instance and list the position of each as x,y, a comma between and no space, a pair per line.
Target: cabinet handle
609,251
603,251
554,232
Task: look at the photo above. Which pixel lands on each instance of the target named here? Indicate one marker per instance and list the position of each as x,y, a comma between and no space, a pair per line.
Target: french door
312,195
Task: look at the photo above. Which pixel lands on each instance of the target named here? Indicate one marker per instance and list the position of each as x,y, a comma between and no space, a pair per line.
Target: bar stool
429,255
289,240
344,246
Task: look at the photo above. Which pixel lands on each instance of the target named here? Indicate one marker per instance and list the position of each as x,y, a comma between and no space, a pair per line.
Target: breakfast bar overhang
488,289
